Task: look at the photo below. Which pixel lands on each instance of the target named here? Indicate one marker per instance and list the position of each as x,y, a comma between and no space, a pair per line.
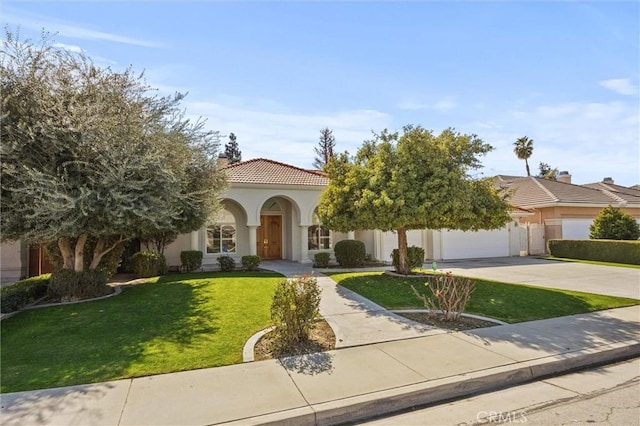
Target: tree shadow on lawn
102,340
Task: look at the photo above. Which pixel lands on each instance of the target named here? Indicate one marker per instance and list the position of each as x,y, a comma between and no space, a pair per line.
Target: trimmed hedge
250,262
321,260
415,257
191,260
350,253
67,285
149,264
226,263
616,251
21,293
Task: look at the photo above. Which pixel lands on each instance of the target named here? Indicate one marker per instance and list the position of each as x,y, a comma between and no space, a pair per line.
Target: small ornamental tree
614,224
232,150
416,180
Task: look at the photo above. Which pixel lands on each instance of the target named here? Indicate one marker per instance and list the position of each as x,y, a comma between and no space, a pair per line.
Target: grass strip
507,302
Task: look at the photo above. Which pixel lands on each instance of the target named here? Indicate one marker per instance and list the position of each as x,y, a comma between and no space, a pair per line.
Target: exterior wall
14,262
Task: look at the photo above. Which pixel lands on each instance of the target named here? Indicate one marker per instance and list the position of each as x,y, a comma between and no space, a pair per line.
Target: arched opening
319,235
221,234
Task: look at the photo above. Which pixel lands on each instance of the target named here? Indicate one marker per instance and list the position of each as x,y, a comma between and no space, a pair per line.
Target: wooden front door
270,237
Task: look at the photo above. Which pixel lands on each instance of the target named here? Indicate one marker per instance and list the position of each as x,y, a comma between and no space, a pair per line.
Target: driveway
609,280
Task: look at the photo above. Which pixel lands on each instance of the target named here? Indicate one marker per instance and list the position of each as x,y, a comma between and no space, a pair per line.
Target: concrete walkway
347,384
354,319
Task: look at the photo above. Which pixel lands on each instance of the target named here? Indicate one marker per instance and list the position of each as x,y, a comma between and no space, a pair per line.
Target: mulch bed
464,323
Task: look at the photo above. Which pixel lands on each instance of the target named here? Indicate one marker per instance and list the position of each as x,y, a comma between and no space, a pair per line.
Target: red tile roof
269,172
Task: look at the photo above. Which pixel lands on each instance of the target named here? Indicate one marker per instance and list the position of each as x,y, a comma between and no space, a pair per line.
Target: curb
388,401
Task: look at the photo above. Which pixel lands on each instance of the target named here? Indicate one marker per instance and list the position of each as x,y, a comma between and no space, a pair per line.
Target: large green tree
416,180
232,150
613,223
89,152
523,148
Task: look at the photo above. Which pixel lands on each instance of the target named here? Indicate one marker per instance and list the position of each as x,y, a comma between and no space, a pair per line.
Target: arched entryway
270,234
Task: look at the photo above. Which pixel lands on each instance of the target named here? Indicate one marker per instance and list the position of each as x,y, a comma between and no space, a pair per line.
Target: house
562,210
269,210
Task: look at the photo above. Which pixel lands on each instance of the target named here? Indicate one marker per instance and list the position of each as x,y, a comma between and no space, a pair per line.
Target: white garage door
576,229
468,245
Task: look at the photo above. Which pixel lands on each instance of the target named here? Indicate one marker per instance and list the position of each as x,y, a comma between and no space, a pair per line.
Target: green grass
507,302
592,262
173,323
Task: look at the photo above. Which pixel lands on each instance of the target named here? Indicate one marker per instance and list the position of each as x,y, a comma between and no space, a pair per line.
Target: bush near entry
615,251
350,253
614,224
250,262
415,257
321,260
191,260
149,264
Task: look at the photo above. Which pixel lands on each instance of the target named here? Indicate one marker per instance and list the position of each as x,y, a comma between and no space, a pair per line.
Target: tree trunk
79,255
67,253
526,163
99,251
403,265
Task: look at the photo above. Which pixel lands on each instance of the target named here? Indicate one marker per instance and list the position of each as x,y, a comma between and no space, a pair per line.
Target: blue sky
564,74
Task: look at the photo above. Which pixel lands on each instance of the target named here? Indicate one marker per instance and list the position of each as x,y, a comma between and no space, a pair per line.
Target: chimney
608,180
564,177
223,161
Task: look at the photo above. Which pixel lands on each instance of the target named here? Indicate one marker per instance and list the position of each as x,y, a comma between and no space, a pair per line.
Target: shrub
68,285
294,308
616,251
448,294
23,292
349,253
226,263
415,257
191,260
614,224
149,264
250,263
321,260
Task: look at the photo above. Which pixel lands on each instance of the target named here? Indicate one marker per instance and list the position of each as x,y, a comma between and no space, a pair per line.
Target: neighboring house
564,210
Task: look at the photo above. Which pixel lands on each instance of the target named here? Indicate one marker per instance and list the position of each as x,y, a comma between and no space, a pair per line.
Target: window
221,236
319,236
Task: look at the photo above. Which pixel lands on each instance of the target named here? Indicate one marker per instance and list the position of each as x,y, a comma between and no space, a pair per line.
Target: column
304,244
195,240
351,235
253,240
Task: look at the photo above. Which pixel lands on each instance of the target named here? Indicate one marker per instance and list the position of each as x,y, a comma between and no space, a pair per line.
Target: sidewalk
350,383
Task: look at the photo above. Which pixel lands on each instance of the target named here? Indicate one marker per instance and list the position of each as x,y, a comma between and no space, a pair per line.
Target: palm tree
523,148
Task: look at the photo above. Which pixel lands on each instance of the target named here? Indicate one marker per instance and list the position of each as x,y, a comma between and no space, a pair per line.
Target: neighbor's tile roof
269,172
622,192
534,191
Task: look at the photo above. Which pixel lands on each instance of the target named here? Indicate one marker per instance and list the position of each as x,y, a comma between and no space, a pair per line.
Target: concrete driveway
609,280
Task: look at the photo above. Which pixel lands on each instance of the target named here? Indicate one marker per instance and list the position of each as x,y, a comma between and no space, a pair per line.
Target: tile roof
269,172
534,191
622,192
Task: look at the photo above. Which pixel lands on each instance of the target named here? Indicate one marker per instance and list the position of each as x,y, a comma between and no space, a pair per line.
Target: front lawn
172,323
507,302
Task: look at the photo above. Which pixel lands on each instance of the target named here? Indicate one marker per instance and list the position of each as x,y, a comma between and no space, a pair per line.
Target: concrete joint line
126,399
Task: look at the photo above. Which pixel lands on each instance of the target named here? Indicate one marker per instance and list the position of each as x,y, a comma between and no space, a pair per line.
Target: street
608,395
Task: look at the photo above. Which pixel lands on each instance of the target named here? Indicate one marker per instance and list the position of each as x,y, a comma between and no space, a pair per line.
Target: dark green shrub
321,260
614,224
108,264
149,264
226,263
616,251
67,285
191,260
349,253
415,257
21,293
294,308
250,262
